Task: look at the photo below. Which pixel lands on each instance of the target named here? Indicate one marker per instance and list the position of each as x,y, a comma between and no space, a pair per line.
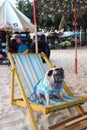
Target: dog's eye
61,70
57,69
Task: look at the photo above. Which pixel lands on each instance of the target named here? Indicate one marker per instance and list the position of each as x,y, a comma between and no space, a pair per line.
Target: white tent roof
11,17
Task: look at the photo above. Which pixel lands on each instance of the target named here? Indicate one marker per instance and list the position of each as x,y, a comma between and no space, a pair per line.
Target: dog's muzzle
58,79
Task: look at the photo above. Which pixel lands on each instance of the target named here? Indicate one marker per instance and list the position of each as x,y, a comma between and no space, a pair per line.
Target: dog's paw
39,101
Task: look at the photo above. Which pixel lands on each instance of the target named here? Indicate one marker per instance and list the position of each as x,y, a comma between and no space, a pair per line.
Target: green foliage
82,20
63,22
65,44
26,7
48,21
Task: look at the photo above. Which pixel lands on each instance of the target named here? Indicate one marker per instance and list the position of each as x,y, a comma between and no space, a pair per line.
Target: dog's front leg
47,99
61,96
39,97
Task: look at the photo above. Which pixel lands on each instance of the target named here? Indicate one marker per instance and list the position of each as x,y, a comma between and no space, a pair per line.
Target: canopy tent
12,18
61,7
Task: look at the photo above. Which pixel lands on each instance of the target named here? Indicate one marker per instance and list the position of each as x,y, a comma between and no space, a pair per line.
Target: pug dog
52,84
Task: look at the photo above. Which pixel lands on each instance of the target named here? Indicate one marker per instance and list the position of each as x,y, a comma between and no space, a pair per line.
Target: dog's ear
50,73
61,69
62,72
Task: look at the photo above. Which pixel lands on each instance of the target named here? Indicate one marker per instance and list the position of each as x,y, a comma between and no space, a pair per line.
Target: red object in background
35,25
35,20
75,29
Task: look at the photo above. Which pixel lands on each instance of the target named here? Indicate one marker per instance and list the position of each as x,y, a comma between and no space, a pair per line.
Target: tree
26,7
44,20
48,20
63,23
82,20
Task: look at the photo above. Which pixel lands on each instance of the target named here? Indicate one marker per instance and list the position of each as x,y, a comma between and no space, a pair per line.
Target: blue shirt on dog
45,87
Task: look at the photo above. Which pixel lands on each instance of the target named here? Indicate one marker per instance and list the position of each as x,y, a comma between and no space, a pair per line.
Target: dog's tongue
59,83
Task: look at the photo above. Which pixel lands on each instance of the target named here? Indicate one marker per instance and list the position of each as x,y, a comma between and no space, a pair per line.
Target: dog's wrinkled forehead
59,70
55,71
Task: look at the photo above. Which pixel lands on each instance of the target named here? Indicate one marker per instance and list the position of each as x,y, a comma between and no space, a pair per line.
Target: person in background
23,48
14,42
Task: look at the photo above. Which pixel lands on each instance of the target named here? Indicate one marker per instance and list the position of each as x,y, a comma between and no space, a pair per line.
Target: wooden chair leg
79,109
32,118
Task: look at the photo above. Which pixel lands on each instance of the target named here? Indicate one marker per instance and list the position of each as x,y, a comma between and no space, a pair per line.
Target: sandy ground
15,118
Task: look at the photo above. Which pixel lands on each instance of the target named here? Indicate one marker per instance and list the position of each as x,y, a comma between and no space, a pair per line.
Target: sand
15,118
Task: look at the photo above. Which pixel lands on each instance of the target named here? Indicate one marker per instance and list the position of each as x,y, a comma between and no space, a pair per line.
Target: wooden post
35,25
75,29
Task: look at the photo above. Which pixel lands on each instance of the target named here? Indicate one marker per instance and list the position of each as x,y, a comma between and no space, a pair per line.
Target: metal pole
80,38
7,47
75,29
35,26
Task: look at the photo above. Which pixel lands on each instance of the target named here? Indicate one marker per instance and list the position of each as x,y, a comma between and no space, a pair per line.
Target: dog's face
55,76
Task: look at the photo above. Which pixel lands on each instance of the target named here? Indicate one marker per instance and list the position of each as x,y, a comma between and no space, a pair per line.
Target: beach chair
28,70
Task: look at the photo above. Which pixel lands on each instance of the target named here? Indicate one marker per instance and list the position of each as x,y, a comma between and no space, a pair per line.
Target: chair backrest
30,68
